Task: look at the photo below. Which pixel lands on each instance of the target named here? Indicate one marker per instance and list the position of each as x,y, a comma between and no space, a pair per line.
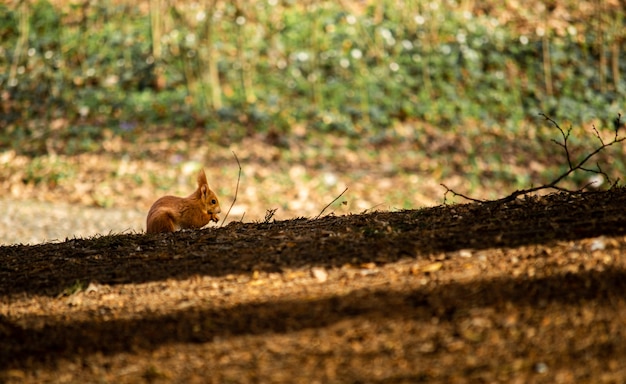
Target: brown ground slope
529,291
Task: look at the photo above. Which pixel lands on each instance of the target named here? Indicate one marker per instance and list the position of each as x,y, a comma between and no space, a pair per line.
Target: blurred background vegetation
457,77
346,66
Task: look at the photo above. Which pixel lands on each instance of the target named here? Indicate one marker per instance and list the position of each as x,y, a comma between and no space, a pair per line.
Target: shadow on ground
449,303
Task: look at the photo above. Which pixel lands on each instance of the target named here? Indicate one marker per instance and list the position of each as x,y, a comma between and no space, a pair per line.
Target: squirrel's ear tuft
202,178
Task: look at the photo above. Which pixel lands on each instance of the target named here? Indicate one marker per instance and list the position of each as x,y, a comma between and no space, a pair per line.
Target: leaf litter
526,291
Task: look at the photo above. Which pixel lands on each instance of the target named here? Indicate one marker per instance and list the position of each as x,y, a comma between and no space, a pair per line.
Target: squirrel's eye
213,201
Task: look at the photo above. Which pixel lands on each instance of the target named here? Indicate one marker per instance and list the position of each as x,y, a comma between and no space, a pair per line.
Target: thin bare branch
236,191
455,194
329,204
617,124
372,208
614,184
598,171
580,166
565,136
595,130
589,184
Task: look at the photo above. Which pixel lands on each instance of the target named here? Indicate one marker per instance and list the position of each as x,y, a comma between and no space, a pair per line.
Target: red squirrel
171,213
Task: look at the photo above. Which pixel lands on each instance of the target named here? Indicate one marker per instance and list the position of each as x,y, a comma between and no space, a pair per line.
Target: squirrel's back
164,215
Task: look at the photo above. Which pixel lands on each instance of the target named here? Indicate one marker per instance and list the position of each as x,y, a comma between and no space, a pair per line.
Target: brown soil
529,291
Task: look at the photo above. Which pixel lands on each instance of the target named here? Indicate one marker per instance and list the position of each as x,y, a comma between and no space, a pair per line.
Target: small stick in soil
236,191
372,208
268,215
329,204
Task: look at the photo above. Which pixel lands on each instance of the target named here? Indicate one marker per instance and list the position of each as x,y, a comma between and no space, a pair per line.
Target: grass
340,69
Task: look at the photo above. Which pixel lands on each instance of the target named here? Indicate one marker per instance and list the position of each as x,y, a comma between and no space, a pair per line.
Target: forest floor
531,291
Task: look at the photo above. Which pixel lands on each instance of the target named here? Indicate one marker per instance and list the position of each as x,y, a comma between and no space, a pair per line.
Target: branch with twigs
571,165
236,190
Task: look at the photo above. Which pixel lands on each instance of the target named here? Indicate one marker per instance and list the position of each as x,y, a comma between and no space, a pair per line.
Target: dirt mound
528,291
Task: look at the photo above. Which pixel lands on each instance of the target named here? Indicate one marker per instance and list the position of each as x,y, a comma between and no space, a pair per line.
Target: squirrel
171,213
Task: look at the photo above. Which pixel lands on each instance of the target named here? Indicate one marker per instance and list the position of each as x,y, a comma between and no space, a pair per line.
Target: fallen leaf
432,267
320,274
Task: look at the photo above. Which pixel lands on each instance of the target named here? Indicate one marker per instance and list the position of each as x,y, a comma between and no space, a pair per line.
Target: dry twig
268,215
236,191
570,165
329,204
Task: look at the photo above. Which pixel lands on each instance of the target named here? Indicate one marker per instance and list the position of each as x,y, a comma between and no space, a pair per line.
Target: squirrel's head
211,204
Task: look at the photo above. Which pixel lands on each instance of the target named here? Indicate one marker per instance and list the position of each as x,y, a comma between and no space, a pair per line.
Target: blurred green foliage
352,68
